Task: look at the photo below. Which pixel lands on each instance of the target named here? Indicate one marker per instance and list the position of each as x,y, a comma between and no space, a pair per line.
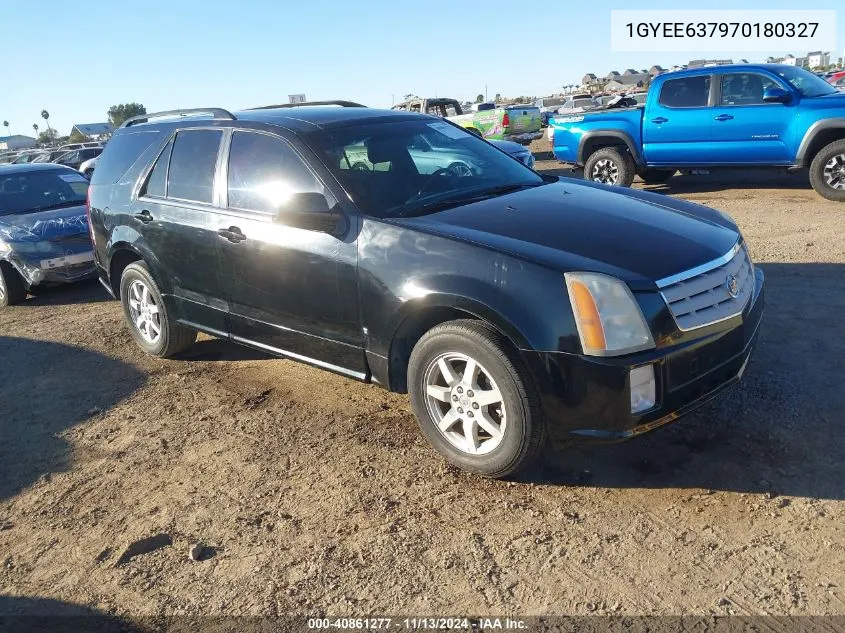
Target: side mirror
776,95
309,211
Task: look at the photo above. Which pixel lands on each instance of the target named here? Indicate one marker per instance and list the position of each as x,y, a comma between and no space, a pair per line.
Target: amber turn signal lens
592,331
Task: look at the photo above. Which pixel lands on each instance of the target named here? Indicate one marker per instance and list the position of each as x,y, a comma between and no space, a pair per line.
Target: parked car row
72,155
736,116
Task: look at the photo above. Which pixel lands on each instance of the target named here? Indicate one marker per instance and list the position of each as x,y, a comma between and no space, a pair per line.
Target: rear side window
120,154
687,92
157,182
264,171
192,163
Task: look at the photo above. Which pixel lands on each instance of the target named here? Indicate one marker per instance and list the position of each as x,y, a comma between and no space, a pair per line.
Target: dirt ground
315,494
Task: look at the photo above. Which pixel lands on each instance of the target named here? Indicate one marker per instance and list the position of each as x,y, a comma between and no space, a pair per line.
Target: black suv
399,249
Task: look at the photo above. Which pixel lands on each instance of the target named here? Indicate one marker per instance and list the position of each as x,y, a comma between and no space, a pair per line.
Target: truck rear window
686,92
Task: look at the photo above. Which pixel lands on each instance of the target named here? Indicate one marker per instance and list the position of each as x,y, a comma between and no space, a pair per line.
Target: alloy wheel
605,171
465,403
460,169
144,312
834,172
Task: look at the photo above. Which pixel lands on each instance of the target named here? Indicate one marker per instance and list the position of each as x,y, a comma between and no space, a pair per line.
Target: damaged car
44,237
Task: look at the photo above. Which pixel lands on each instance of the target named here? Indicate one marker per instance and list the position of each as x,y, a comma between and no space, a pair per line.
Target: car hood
637,236
51,225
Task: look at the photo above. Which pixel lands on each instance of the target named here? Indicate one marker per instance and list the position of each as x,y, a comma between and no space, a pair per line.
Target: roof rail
343,104
218,113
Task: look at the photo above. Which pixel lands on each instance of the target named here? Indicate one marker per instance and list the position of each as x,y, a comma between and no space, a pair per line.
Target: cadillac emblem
732,284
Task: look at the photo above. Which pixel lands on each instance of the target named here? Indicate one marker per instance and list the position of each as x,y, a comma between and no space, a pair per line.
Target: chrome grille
704,297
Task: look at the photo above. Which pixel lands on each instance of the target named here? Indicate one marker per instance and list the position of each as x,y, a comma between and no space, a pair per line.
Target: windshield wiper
58,205
474,196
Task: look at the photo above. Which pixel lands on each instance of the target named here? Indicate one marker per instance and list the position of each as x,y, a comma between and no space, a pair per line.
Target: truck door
677,122
745,128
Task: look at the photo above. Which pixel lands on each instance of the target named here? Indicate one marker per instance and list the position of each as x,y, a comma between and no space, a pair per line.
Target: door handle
233,234
723,117
659,119
144,216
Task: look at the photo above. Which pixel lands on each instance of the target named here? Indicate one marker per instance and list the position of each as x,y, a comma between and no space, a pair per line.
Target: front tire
12,287
827,171
473,399
153,329
610,166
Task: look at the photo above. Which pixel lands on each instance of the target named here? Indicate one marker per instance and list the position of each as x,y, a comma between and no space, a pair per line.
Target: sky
76,59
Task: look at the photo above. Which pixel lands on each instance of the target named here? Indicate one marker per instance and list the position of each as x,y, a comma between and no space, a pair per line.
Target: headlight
609,320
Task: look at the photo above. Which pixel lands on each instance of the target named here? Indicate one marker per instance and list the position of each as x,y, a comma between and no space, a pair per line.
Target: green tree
47,137
119,113
6,125
479,99
46,116
77,137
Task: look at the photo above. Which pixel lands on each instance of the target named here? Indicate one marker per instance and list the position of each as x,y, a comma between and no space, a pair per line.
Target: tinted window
688,92
157,182
806,82
745,88
192,163
120,154
264,171
416,166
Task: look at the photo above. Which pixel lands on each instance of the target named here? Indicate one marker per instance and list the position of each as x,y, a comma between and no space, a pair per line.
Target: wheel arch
593,141
121,255
820,134
419,316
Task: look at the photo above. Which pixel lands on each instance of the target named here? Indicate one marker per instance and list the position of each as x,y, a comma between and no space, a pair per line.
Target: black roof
298,119
5,170
305,118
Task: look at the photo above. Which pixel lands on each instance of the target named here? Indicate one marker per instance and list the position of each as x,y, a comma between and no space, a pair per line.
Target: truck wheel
656,176
12,288
473,399
610,166
146,315
827,171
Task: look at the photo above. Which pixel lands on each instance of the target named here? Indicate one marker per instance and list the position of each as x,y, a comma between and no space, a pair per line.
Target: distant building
93,131
630,71
655,70
16,141
818,58
627,83
612,75
700,63
789,60
588,79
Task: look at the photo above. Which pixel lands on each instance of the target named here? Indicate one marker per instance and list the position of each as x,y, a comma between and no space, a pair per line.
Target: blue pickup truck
749,115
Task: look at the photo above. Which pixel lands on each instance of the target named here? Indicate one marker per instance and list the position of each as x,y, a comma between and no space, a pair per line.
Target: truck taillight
506,120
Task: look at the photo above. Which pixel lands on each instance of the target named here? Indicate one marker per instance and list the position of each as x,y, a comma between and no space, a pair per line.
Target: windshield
805,82
41,190
418,166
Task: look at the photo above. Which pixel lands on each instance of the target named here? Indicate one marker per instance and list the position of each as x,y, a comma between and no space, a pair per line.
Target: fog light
643,388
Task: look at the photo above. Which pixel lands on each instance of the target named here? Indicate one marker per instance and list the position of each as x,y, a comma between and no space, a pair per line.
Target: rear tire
12,287
827,171
488,422
153,329
656,176
610,166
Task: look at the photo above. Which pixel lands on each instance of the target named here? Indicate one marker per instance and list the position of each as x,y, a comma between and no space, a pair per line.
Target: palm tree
6,125
46,116
35,127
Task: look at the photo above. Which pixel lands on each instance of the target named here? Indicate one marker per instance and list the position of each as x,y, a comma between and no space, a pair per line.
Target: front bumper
588,399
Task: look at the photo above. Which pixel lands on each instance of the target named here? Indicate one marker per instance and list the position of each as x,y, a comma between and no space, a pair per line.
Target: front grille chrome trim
699,270
696,299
